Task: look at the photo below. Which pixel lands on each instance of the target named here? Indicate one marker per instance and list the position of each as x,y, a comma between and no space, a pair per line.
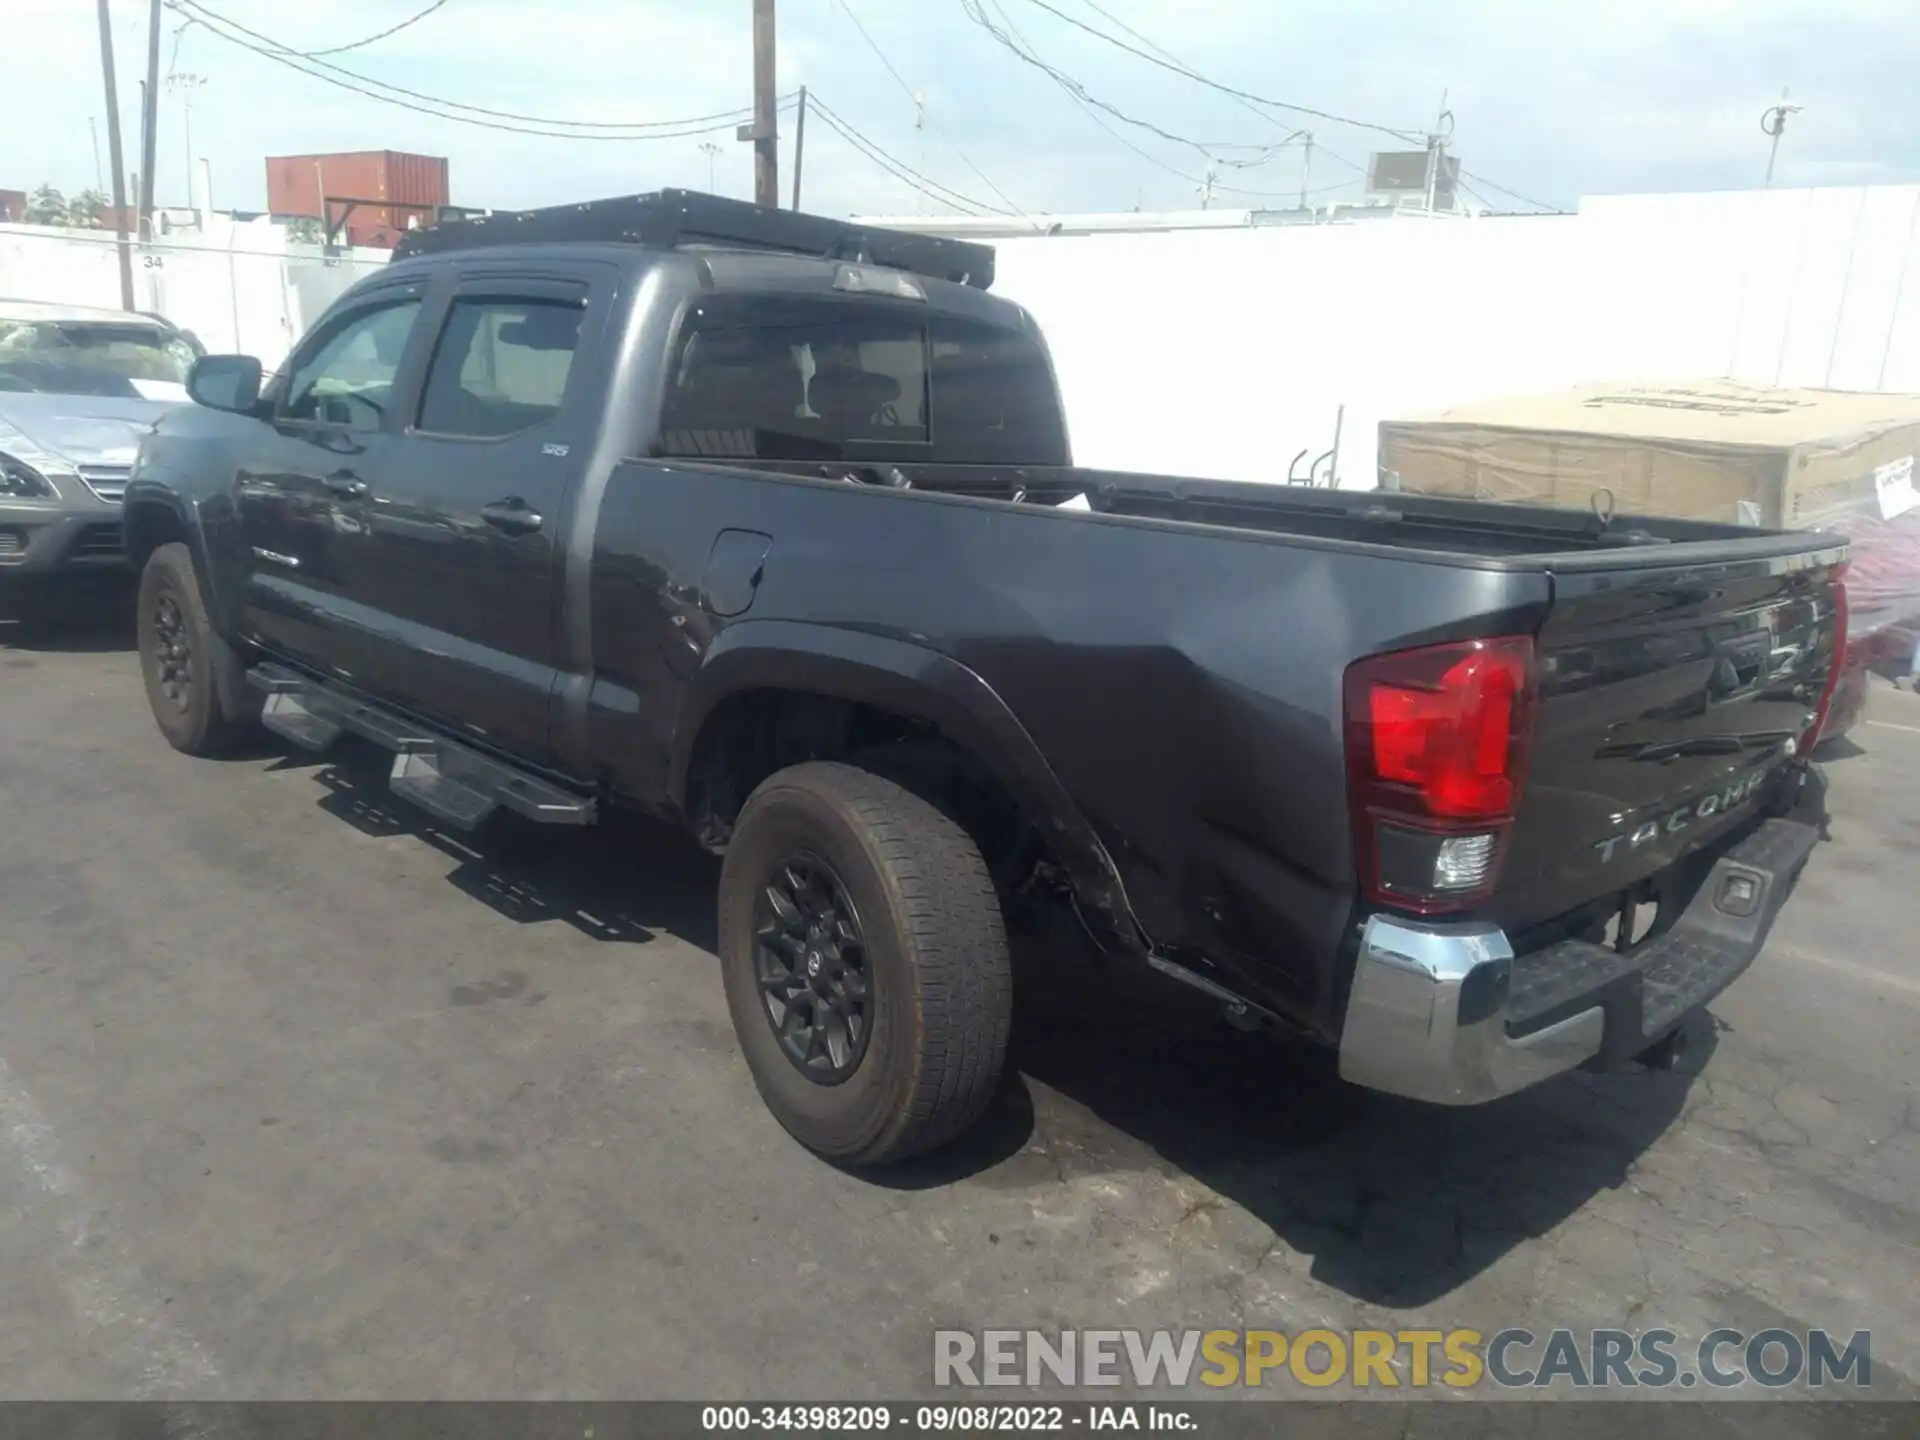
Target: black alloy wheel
811,960
172,651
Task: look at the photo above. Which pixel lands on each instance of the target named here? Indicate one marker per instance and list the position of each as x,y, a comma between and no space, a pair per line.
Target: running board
452,782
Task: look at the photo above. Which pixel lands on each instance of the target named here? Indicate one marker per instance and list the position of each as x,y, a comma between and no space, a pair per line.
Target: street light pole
186,84
1774,123
799,145
115,158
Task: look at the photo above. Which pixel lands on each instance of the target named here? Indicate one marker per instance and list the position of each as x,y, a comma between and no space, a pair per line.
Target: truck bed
1442,525
1178,654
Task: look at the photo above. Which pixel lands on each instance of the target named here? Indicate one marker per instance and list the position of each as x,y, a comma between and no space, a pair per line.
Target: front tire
865,963
180,656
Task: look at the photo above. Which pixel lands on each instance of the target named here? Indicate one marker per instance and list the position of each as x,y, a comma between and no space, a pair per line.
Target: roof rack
673,219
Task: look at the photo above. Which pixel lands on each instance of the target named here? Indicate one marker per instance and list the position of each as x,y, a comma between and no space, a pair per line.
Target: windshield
92,357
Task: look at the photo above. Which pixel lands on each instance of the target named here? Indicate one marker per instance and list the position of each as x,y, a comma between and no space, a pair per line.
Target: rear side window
776,379
501,365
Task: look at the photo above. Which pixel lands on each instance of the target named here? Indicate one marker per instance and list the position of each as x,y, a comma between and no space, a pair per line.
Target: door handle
346,484
514,516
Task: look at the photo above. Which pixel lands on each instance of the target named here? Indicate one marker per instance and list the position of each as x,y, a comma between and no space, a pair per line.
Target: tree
305,230
87,209
46,206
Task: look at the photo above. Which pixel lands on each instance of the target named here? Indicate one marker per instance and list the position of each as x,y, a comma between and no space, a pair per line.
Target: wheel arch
920,687
154,516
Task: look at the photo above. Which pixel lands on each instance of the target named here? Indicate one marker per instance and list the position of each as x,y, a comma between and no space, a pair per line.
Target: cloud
1550,100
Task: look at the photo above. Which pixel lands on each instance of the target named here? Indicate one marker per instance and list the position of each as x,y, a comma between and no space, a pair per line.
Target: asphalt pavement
303,1097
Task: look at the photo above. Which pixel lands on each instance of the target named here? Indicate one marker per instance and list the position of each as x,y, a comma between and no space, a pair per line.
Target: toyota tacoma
768,524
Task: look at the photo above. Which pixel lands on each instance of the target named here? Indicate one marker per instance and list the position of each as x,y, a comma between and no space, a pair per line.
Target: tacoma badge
1674,821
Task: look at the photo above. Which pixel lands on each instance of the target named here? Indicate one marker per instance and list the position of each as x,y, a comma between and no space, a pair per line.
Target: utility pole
799,145
1774,123
765,131
1306,167
150,121
114,157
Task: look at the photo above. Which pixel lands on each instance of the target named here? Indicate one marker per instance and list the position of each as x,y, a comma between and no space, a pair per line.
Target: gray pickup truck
768,525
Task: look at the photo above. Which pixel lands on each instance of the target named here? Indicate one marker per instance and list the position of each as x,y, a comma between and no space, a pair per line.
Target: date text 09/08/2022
946,1419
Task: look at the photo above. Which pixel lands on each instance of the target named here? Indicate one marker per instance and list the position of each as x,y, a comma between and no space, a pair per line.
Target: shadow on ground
1397,1203
90,617
626,879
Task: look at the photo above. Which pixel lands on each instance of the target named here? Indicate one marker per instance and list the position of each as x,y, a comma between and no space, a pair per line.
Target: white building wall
238,286
1227,352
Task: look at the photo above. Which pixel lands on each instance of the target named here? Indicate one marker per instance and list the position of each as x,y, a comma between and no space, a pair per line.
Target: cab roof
688,220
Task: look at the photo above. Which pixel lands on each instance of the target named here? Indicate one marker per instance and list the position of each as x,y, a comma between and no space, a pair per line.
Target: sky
1550,99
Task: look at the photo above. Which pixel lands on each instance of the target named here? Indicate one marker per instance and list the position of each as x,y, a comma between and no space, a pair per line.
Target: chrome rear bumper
1447,1013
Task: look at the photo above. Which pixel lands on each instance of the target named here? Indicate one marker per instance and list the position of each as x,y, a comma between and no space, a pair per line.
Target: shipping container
296,185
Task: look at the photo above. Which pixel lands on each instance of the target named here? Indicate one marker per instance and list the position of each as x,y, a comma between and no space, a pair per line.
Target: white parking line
107,1292
1889,725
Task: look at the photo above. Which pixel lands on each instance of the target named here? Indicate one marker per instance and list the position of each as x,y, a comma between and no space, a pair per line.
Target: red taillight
1836,666
1447,733
1437,749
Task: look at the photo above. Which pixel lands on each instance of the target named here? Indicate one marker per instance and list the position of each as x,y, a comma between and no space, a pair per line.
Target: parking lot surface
300,1096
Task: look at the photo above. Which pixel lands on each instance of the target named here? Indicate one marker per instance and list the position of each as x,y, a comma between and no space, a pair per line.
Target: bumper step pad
1649,990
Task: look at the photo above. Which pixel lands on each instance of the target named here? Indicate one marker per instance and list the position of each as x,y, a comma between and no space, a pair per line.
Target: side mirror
226,382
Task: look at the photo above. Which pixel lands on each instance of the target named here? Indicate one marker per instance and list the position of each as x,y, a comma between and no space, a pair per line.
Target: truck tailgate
1668,694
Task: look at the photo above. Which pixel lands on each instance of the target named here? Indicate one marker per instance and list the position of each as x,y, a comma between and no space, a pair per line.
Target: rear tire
893,1042
181,656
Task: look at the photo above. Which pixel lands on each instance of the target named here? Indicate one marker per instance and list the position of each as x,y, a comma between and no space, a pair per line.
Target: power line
888,164
976,12
1467,189
1162,50
899,169
1094,115
880,54
1511,194
914,96
1190,73
1166,60
278,50
414,19
1017,43
987,180
272,49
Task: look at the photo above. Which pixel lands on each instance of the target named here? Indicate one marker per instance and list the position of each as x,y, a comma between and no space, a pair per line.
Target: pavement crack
1200,1205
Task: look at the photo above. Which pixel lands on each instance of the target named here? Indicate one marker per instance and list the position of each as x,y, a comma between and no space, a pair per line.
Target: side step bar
452,782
